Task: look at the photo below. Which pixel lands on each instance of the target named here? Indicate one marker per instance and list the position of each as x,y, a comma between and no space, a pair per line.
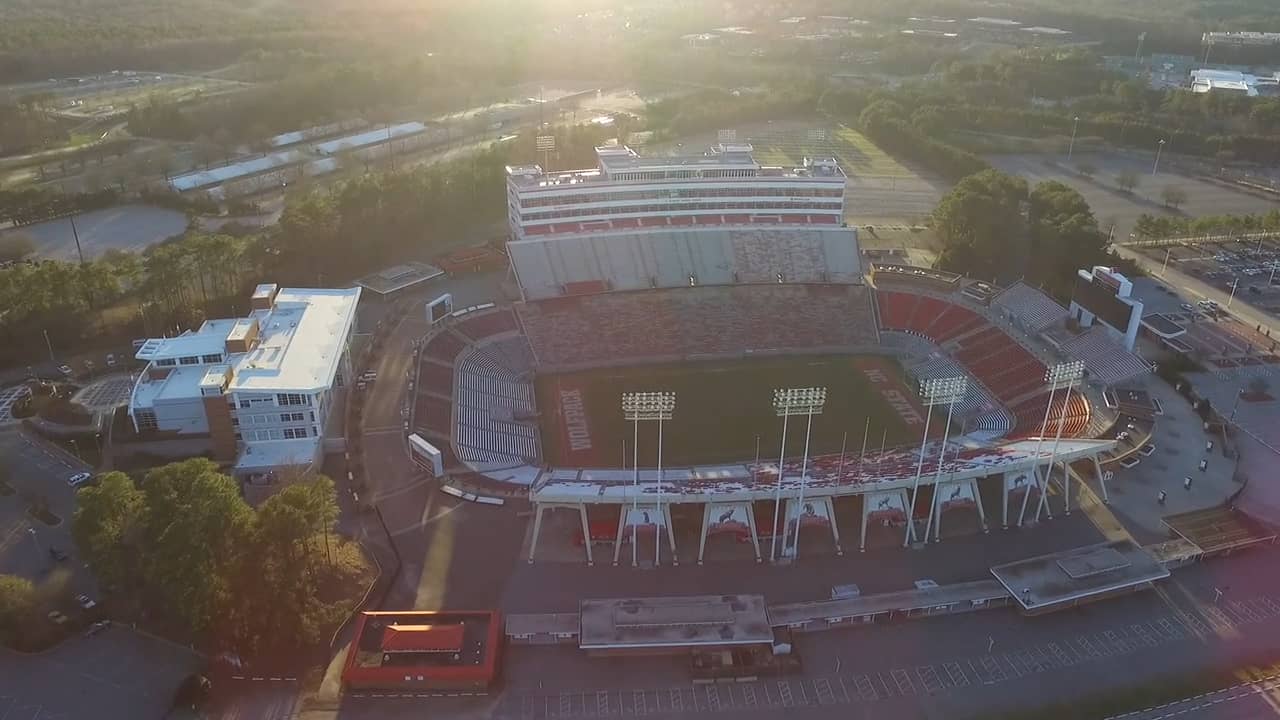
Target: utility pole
75,234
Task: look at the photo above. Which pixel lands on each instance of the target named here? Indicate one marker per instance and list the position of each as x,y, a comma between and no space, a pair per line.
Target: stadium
689,326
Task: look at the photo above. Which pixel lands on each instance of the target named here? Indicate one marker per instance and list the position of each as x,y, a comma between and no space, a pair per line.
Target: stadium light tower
638,406
788,402
1068,372
956,391
935,391
816,402
1071,372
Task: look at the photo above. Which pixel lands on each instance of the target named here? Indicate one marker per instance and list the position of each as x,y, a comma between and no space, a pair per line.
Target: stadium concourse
1013,430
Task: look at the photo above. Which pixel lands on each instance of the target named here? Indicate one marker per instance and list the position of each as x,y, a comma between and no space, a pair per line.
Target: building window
294,433
235,421
292,417
166,362
189,360
211,358
284,399
244,404
146,419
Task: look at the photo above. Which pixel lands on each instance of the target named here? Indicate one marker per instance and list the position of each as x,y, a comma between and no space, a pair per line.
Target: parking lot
117,675
1250,265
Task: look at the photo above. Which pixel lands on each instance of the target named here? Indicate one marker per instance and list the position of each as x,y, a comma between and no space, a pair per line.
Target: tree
16,246
196,525
1173,196
17,601
981,226
107,526
1086,168
1127,180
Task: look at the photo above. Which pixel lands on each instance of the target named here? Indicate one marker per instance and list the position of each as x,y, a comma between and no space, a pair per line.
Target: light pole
788,402
814,408
1072,372
48,344
1075,125
1063,372
1234,284
1156,168
1163,268
32,532
936,391
958,391
638,406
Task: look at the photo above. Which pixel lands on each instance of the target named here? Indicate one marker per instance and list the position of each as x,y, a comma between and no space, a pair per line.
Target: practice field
721,409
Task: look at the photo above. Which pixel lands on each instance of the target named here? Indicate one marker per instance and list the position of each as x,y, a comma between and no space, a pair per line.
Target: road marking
865,689
822,687
929,678
749,695
958,678
784,693
903,681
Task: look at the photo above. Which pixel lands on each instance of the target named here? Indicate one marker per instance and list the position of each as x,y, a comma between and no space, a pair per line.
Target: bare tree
1173,196
1127,180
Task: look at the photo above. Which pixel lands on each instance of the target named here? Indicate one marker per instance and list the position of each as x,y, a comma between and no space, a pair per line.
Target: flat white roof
205,178
370,137
276,453
299,344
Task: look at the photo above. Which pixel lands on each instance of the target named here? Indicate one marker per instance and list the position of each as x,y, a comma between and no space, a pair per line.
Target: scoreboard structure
1102,296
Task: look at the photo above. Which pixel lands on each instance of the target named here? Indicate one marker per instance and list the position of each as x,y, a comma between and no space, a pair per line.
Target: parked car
97,627
111,359
1187,307
57,618
85,602
65,370
80,479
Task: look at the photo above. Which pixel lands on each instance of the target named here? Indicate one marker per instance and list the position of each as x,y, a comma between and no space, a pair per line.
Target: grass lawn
856,154
721,408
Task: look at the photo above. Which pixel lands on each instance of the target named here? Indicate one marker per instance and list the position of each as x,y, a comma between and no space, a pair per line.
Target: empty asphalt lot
1110,205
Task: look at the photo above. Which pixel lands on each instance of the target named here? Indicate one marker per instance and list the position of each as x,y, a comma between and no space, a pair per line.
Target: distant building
260,388
1232,81
1240,39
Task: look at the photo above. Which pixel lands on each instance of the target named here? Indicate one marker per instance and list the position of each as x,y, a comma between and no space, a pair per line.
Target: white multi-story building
638,222
260,388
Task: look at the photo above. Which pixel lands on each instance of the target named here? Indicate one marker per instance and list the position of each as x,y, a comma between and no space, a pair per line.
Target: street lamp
788,402
638,406
1155,168
1234,284
1074,126
32,532
934,391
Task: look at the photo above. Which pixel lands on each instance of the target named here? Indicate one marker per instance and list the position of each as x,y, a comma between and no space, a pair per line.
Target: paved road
1246,701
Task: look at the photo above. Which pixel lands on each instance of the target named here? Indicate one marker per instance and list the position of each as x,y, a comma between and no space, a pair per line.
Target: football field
723,408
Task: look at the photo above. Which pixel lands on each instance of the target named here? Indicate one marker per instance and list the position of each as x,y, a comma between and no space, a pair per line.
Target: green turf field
855,153
721,408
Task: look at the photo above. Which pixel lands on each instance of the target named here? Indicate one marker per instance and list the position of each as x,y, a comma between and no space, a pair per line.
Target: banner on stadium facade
1016,482
811,513
728,518
645,518
959,495
886,506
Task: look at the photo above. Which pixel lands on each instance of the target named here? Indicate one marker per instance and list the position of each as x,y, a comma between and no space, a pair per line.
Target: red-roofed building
424,649
422,638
